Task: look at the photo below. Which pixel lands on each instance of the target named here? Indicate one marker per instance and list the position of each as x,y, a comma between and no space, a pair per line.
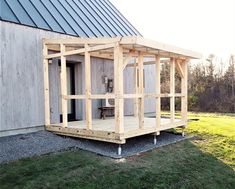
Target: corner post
141,90
63,79
88,88
46,85
158,93
172,89
184,91
118,88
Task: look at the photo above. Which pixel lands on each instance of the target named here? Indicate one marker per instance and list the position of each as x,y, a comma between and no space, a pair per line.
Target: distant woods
211,85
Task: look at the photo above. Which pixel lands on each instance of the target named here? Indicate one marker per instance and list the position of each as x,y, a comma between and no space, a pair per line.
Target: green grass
207,161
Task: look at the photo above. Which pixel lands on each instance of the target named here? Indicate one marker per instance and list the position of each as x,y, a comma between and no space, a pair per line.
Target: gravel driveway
43,142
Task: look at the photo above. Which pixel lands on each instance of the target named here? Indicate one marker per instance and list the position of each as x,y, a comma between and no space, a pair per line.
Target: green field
206,161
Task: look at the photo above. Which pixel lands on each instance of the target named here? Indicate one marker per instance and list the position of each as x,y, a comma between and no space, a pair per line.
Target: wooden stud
63,79
158,92
88,88
46,86
141,91
184,91
118,88
172,89
136,88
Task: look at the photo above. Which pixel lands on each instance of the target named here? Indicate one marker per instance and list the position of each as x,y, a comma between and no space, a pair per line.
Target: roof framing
133,43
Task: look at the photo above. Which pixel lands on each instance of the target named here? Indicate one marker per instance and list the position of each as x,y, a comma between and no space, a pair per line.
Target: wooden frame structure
121,50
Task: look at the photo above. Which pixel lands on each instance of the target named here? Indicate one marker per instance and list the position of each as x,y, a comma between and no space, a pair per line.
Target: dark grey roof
84,18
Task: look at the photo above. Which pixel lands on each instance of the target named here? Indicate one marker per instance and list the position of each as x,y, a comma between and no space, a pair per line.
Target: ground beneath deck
43,142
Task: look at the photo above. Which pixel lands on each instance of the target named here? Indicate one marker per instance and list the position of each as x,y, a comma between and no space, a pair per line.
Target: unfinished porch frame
121,50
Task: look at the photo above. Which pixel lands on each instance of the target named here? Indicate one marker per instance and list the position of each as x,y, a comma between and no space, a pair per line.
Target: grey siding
21,79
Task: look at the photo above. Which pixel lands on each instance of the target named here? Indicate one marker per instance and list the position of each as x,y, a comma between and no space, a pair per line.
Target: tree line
211,85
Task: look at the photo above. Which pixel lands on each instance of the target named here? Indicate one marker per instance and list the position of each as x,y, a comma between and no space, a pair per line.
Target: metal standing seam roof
83,18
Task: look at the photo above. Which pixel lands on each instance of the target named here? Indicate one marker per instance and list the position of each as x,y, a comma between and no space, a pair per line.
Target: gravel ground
43,142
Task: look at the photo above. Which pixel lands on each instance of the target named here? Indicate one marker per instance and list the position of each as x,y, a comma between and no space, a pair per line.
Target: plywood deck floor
105,129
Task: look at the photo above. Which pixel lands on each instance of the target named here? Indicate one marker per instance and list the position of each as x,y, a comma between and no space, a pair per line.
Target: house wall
21,80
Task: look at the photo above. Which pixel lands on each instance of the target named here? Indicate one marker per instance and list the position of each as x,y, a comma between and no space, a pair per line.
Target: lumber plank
184,90
63,79
118,88
88,88
158,92
172,89
46,87
141,91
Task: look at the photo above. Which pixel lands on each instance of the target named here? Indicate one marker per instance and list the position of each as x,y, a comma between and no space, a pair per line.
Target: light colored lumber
80,51
158,92
159,46
149,62
136,89
141,91
163,95
126,61
132,96
46,87
172,89
104,129
118,88
63,79
184,90
88,88
179,68
89,134
78,97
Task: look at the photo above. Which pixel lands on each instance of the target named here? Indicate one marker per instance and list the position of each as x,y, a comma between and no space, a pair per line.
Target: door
70,91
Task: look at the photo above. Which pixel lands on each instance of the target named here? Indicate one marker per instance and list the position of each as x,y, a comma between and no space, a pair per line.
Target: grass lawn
207,161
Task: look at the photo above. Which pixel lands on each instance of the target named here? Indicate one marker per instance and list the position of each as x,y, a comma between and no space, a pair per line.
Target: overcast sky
206,26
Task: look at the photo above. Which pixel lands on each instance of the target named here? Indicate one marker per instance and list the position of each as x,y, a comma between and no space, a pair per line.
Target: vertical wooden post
136,80
184,91
172,89
88,88
118,88
141,91
158,92
46,86
63,79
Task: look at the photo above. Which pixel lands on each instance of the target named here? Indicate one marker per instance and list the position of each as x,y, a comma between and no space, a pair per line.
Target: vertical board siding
21,79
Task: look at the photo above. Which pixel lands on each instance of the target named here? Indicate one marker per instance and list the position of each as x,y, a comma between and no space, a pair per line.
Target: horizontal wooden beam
90,134
149,63
80,51
166,95
79,97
